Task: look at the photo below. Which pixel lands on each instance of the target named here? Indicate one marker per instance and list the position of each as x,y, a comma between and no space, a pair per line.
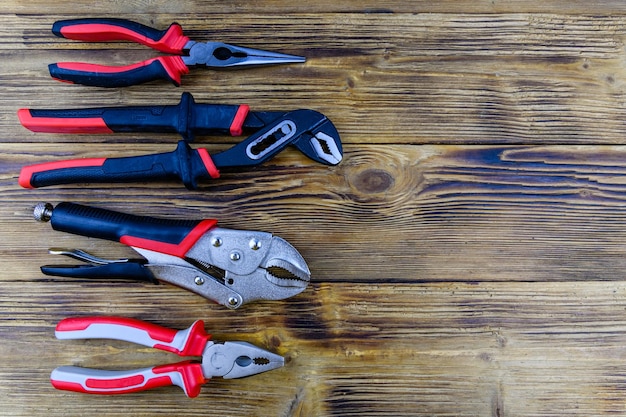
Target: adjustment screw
255,244
217,242
43,212
198,280
235,256
232,301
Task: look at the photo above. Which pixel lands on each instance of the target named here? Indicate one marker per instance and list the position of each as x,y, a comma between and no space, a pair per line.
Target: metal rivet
235,256
233,301
217,242
255,244
198,280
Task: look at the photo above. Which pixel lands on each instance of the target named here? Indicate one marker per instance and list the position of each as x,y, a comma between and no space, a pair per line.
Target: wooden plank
352,349
280,8
467,255
452,213
432,78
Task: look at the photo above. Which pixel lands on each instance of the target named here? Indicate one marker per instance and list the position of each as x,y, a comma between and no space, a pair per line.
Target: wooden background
468,255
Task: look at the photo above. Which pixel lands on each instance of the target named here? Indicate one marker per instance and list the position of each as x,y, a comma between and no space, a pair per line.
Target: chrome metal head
237,360
223,55
252,265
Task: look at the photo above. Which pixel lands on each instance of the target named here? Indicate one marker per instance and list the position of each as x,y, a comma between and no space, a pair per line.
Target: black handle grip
185,163
186,118
122,270
169,68
111,225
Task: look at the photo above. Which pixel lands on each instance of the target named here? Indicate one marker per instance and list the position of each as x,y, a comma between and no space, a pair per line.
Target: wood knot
373,181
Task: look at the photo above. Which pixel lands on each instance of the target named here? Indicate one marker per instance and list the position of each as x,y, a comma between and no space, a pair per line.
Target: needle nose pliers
185,53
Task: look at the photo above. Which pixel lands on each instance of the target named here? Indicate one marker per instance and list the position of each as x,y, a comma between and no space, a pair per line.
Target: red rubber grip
190,372
179,249
236,127
208,163
172,42
92,125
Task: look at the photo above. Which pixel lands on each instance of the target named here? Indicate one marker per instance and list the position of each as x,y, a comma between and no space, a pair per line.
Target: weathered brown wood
280,8
391,78
468,254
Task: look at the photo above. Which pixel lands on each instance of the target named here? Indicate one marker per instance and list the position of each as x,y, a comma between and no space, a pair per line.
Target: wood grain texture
468,254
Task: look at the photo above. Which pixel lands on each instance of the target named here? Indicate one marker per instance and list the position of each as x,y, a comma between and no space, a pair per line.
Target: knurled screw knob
43,212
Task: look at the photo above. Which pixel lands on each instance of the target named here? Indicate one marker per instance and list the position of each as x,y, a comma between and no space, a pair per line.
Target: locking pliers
230,267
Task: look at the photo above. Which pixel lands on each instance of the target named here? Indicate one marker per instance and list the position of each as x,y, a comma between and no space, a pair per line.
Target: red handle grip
64,124
170,41
188,375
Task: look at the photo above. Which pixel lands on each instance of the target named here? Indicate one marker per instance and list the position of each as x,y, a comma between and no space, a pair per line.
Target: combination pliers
219,359
186,53
230,267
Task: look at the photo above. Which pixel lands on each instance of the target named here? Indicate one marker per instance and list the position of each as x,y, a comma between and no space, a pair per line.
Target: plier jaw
223,55
231,360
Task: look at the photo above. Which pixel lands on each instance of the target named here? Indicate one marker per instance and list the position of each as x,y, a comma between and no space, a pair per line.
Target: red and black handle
186,118
185,163
173,237
170,41
169,68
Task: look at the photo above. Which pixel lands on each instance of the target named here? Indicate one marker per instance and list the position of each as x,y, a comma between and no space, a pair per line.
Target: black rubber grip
118,270
182,164
111,225
186,118
102,76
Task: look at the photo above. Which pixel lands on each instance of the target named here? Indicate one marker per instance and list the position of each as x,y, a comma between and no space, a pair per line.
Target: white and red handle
188,342
187,375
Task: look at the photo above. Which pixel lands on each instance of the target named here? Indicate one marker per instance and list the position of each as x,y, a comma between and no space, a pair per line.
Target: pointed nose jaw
223,55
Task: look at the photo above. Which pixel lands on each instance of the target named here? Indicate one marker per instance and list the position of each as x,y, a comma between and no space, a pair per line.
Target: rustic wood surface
468,255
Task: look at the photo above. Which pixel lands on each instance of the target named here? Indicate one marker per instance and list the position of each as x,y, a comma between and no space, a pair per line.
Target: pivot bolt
255,244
